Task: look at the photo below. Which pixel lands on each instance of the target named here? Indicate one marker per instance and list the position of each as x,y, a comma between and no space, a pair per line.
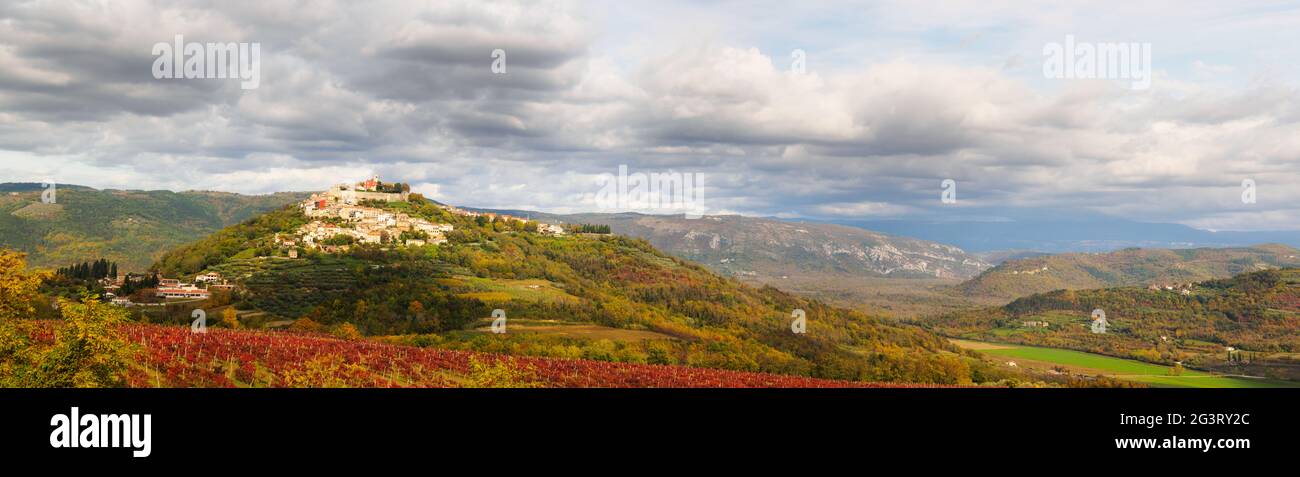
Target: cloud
895,99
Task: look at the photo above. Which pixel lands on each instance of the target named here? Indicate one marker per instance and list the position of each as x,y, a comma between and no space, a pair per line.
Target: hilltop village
347,214
344,218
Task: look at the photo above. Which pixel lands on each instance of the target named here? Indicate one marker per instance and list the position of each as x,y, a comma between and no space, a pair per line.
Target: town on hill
345,215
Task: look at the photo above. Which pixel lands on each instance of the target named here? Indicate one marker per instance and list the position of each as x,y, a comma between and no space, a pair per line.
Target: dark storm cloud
407,89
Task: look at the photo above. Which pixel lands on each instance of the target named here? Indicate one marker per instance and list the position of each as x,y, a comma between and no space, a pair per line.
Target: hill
767,249
132,228
845,266
1247,324
1129,267
444,296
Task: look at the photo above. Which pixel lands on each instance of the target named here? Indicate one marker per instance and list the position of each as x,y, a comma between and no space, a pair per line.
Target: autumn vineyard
174,356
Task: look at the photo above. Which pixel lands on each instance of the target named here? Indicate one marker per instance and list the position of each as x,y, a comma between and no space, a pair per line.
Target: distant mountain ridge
132,228
768,249
1129,267
1089,233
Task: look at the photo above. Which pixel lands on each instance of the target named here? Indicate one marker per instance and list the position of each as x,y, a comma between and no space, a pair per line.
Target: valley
1243,325
896,298
1064,361
768,249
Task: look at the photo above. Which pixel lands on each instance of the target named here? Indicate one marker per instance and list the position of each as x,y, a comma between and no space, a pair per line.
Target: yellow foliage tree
17,293
346,331
230,318
305,324
88,349
17,287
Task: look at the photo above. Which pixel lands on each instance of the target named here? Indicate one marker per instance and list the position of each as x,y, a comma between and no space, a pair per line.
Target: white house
550,229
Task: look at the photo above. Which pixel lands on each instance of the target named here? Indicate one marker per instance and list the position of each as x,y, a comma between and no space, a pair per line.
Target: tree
423,322
230,318
305,324
415,309
89,350
17,287
346,331
17,296
360,311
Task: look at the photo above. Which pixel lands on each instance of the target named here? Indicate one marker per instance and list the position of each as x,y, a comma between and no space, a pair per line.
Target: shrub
346,331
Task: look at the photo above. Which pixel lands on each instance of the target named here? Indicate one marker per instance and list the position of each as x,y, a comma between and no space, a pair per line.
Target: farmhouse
550,229
183,292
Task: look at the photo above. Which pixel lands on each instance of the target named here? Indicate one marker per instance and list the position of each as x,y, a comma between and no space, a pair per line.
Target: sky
891,99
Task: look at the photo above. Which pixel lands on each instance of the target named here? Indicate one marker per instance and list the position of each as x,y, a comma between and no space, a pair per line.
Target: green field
502,290
1152,374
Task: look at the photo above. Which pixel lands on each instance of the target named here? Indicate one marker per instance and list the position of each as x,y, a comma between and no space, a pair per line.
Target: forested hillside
1247,323
132,228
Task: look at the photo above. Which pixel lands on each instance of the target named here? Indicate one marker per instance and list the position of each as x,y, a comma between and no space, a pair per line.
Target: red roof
181,290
